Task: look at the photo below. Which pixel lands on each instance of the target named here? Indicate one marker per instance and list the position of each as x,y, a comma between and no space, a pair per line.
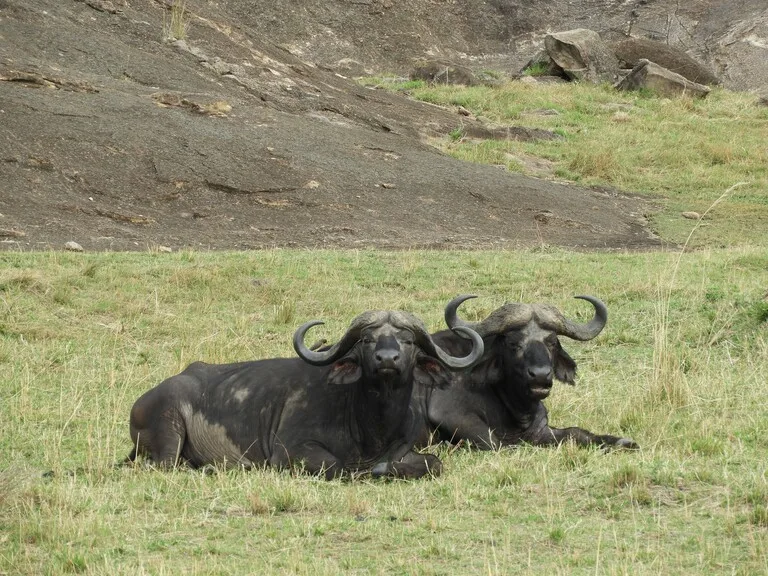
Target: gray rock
651,76
542,65
351,68
632,50
73,246
582,55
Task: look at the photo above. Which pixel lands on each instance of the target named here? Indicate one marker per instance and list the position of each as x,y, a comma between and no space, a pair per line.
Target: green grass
683,152
681,368
536,69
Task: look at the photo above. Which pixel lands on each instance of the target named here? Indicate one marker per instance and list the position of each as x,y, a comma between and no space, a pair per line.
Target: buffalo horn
498,322
325,357
429,346
423,340
589,330
512,316
451,318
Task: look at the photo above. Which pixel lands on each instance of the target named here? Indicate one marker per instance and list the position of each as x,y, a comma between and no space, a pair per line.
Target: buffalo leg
314,460
157,431
454,426
412,465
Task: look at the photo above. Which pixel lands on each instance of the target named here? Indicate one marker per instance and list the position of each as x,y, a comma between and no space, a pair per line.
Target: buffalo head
387,347
522,346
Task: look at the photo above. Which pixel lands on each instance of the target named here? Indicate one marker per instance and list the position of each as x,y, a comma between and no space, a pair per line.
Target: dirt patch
118,140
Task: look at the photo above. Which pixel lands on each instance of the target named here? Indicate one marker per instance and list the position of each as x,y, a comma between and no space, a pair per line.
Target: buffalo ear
565,367
489,370
431,372
345,371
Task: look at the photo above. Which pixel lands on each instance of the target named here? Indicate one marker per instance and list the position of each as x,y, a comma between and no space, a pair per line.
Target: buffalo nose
387,356
540,373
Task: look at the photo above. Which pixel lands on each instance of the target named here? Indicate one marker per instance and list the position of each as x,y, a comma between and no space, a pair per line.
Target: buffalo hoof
627,444
381,469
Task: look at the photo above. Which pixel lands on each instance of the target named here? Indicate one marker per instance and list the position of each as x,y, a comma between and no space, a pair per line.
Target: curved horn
478,349
426,343
452,319
327,356
590,330
499,321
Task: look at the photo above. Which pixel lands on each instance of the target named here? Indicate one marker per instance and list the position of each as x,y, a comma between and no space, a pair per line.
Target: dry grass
176,21
693,500
681,152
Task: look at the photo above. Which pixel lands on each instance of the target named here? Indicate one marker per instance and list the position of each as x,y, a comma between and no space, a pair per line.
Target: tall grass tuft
175,21
285,312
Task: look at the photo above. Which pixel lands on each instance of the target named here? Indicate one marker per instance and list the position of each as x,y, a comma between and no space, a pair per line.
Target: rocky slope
247,133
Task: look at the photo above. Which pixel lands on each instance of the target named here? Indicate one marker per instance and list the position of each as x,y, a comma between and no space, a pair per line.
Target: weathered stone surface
582,55
651,76
351,68
632,50
442,72
121,140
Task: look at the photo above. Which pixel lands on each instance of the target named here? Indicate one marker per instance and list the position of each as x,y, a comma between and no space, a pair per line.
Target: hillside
248,133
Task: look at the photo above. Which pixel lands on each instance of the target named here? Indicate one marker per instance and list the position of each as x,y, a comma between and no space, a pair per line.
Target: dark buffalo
342,409
498,402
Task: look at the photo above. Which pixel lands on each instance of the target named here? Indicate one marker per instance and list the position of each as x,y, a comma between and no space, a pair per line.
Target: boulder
582,55
632,50
663,82
442,72
542,65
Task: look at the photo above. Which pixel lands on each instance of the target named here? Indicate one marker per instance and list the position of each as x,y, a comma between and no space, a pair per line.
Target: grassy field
681,368
682,152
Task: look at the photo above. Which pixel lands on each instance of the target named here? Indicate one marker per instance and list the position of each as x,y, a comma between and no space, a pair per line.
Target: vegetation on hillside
683,152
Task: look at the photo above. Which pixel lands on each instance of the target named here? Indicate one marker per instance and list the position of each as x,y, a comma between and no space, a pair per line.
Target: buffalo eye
367,340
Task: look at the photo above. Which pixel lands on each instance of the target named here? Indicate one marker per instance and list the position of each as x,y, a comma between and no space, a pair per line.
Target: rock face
650,76
632,50
729,37
582,55
442,72
118,138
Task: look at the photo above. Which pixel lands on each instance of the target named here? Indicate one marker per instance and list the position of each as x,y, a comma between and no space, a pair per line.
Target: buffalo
498,402
343,409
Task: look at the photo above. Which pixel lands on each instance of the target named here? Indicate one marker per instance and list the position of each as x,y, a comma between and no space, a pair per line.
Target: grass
83,335
176,21
536,69
682,153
